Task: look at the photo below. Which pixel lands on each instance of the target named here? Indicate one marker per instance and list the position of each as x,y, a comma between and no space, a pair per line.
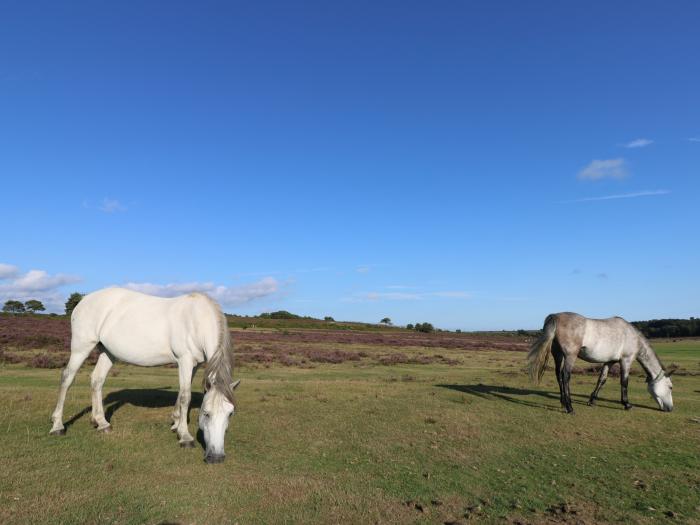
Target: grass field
358,441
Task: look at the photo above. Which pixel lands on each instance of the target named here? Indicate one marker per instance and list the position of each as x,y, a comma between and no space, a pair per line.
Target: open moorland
338,425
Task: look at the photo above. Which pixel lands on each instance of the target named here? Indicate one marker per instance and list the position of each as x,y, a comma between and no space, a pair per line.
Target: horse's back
143,329
595,340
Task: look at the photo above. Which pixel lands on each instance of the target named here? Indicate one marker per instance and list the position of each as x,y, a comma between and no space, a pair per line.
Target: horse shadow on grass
518,395
138,397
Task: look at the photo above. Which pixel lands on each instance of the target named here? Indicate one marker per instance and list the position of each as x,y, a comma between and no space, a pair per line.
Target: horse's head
660,389
217,408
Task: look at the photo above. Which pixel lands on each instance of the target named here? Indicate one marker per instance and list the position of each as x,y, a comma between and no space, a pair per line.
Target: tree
386,321
72,302
425,327
409,326
13,307
34,306
329,318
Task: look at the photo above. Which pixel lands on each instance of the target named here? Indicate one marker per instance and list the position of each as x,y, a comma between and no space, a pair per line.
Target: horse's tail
539,351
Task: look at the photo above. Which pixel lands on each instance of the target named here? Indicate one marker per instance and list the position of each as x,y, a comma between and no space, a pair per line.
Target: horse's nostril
214,458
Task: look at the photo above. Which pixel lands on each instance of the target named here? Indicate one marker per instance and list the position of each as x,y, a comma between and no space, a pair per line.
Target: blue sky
450,162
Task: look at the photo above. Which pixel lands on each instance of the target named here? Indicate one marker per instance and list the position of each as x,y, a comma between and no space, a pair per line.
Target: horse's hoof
591,403
187,444
59,432
105,430
628,407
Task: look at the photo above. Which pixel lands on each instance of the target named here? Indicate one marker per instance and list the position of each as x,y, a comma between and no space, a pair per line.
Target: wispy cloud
602,275
633,195
111,205
363,269
694,139
34,284
602,169
226,295
452,294
406,296
7,271
639,143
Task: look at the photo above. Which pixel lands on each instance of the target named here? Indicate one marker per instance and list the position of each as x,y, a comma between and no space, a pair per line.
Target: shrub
425,327
48,361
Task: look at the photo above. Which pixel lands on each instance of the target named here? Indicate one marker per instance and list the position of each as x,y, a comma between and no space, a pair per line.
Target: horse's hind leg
601,381
566,369
558,361
78,353
99,374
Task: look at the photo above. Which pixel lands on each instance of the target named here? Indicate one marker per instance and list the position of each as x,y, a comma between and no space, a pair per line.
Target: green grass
354,442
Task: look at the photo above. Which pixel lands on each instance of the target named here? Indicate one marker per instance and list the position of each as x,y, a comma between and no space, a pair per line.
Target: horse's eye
205,414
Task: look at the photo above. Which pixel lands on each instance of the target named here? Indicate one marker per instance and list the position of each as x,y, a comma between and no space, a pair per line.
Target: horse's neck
649,360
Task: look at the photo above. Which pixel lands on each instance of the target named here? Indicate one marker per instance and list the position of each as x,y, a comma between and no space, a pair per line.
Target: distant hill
284,320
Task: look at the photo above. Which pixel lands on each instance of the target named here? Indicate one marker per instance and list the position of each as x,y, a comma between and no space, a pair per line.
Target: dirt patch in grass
420,359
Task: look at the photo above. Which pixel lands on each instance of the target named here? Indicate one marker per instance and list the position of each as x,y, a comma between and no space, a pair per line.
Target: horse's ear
669,374
235,384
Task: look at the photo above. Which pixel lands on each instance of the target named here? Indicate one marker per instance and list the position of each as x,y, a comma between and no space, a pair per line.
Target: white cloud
694,139
639,143
363,269
601,169
111,205
624,196
226,295
35,284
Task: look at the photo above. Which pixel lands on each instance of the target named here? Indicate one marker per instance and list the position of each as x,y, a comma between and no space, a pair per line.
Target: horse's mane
219,371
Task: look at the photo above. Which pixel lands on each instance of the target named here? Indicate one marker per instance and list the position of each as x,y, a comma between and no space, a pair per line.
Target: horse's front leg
176,410
625,365
176,414
601,381
185,368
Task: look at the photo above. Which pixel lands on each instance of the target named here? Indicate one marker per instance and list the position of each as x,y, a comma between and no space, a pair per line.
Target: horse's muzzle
214,458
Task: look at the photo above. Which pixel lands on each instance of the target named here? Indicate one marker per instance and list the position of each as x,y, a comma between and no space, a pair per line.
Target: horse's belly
598,354
141,352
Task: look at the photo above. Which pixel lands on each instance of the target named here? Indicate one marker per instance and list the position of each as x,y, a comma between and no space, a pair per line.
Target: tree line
669,327
34,306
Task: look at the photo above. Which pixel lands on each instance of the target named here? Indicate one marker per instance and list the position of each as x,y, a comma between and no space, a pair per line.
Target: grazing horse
608,341
148,331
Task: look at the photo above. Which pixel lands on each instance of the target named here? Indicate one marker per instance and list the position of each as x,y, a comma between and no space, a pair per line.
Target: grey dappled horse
568,336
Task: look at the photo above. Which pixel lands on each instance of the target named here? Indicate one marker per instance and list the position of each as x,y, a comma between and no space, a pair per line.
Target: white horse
608,341
148,331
